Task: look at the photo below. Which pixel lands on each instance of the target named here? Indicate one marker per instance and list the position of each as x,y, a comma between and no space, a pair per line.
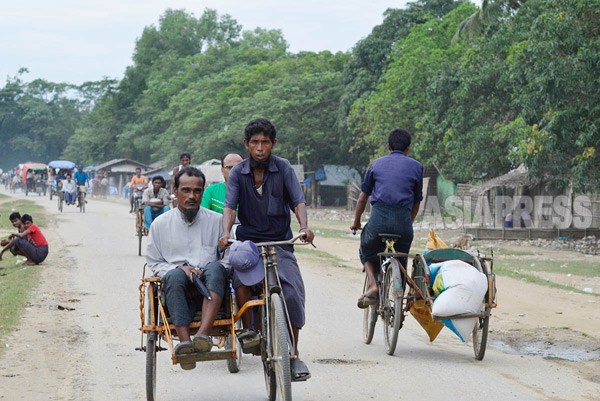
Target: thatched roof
516,178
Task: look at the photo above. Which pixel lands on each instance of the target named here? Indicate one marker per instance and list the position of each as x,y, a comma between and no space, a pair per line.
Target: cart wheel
81,203
151,366
392,309
50,194
281,350
233,365
60,204
480,332
369,319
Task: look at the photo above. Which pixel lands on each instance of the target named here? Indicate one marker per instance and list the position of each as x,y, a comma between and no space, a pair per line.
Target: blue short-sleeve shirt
266,216
394,180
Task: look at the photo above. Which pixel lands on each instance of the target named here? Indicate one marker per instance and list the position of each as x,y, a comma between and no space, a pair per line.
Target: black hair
399,139
185,154
258,126
159,177
227,154
192,172
27,217
14,215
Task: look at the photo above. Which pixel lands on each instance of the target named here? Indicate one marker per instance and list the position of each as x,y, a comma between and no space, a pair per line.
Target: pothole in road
550,343
337,361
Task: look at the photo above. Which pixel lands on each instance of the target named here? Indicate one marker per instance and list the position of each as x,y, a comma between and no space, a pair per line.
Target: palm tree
491,10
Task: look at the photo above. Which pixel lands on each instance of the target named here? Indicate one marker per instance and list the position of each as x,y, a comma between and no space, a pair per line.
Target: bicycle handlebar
290,241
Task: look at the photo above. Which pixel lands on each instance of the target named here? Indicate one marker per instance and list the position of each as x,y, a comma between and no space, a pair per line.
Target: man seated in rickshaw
155,200
70,189
182,244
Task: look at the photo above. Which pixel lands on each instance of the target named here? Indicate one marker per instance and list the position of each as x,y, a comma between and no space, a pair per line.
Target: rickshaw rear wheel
480,332
369,319
151,338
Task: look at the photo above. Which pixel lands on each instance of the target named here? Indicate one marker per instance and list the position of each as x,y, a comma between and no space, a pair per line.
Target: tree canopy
482,89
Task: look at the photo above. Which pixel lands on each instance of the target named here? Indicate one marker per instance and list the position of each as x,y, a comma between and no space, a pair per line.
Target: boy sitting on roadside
30,243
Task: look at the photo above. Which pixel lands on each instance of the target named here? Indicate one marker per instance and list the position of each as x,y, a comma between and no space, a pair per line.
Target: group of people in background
28,241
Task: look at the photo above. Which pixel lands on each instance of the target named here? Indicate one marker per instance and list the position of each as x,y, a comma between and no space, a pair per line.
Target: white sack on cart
462,290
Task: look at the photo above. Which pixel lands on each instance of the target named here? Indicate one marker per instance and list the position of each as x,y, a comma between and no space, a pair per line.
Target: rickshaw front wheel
151,338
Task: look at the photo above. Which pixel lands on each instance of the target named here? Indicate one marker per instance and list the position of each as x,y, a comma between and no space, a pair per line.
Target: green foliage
520,86
401,98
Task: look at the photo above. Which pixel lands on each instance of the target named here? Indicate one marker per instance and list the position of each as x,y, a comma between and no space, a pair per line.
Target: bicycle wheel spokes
280,357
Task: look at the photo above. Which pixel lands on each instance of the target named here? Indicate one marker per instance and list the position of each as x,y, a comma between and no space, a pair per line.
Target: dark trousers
36,254
183,299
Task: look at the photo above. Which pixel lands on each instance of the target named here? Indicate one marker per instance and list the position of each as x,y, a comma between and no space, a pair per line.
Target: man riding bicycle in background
81,179
395,184
138,182
155,201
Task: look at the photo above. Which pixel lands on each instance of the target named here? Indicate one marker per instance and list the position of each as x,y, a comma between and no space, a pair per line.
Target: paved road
104,269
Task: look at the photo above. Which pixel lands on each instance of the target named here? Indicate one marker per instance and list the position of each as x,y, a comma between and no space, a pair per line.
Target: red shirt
36,237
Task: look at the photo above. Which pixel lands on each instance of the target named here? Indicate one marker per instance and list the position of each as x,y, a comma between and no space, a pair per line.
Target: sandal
299,370
366,300
202,342
250,340
185,348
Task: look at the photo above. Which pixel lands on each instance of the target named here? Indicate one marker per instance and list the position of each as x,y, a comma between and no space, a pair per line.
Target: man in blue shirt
264,189
81,178
395,184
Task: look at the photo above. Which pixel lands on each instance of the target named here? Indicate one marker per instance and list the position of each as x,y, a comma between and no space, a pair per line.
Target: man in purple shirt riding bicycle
395,184
264,189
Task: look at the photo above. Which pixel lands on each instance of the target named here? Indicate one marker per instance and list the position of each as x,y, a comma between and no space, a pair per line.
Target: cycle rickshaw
277,345
395,301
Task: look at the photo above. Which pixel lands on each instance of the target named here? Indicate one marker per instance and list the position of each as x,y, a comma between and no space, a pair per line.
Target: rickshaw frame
276,334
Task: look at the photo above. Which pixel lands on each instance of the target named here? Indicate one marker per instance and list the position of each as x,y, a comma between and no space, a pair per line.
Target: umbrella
61,164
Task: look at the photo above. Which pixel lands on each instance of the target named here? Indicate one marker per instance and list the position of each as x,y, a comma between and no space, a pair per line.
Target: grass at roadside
510,261
16,280
530,278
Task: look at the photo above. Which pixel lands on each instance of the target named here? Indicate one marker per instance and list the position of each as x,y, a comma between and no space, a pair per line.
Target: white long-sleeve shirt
173,241
69,186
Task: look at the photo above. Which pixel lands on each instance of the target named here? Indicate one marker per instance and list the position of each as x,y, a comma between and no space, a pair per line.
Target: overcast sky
76,41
